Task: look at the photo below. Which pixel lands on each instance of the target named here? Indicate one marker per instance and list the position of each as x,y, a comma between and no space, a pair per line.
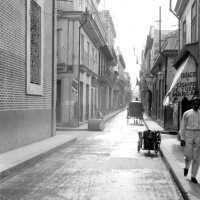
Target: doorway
87,102
81,101
58,102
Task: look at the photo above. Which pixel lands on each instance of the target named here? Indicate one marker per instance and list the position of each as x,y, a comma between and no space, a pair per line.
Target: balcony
94,26
109,77
95,15
110,54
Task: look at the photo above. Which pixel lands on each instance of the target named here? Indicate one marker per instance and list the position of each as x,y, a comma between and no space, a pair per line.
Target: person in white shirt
190,138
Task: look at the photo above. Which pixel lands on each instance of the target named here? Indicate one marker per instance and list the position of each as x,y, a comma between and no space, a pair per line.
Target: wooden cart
135,110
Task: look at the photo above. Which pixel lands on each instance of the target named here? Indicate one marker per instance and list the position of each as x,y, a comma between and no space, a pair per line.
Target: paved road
100,166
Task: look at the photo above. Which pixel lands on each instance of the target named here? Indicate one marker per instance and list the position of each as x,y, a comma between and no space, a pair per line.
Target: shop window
34,44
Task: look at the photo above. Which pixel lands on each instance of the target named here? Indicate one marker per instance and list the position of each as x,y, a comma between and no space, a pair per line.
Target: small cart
149,140
135,111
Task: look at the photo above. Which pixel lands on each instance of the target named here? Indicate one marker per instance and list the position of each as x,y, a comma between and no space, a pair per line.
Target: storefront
184,86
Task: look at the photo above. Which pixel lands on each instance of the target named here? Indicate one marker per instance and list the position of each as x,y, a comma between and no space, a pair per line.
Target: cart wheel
157,149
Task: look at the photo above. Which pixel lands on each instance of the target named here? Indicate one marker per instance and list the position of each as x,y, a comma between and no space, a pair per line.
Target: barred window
35,42
34,47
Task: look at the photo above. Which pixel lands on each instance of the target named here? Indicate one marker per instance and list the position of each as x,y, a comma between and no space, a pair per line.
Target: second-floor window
194,22
88,53
82,48
35,42
184,33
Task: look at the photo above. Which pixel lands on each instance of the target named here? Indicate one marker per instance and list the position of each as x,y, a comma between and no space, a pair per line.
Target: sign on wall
63,68
184,82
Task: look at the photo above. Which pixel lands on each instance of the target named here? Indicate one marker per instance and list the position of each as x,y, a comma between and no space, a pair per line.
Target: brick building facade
26,58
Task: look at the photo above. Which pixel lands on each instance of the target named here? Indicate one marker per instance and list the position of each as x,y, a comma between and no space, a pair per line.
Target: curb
174,176
86,129
71,129
172,172
109,118
29,162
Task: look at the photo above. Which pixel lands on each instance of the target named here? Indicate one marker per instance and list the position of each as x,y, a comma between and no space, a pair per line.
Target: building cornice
90,27
180,7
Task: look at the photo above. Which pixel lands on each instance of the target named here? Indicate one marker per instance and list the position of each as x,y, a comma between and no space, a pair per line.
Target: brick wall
23,118
13,58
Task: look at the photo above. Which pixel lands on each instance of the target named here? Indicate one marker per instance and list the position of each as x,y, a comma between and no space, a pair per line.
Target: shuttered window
194,22
34,47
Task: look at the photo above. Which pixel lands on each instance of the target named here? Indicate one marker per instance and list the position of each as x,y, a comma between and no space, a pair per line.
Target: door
92,103
81,101
58,102
87,102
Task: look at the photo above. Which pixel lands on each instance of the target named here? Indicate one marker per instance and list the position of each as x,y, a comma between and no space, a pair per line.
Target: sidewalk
172,154
84,126
14,160
17,158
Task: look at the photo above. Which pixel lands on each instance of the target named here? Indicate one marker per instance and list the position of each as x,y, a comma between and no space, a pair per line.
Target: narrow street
99,166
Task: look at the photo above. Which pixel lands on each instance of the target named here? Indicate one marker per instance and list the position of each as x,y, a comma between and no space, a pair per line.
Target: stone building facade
85,56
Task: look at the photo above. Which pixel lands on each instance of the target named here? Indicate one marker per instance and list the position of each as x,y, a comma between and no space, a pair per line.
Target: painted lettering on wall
186,85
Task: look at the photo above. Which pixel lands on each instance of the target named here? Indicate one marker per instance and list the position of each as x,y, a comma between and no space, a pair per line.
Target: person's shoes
185,171
194,180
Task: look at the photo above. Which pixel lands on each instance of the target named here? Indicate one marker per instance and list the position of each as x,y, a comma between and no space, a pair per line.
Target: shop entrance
186,105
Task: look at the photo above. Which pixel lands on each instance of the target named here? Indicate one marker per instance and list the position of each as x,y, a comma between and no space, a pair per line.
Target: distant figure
190,138
136,99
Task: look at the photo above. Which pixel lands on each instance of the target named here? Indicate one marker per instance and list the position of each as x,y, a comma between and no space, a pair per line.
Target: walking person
190,138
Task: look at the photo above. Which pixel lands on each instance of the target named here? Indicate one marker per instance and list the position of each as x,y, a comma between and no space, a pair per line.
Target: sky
132,20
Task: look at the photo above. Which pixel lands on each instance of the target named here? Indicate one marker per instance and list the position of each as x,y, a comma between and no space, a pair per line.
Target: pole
53,85
171,10
160,29
79,61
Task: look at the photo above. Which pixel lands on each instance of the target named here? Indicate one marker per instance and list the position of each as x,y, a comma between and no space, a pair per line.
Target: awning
184,82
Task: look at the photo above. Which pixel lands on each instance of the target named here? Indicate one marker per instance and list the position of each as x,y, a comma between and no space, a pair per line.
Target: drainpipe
179,47
171,10
79,61
160,30
53,79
